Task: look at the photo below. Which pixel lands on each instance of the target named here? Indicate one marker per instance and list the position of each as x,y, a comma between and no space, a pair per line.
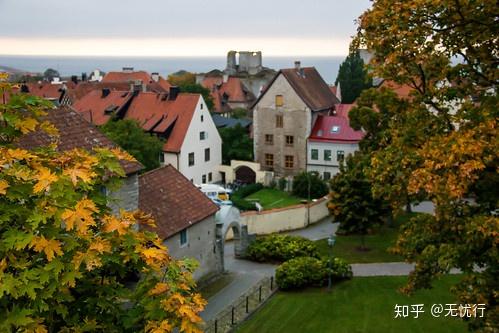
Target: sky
177,28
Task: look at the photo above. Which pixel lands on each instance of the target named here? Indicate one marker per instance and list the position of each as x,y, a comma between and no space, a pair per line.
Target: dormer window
335,129
319,133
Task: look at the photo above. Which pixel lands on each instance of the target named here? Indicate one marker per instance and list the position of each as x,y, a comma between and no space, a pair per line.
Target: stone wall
201,245
127,196
284,219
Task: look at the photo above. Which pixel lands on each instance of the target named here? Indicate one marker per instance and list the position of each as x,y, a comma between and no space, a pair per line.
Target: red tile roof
402,91
309,85
45,90
83,88
98,109
156,113
323,130
127,77
74,132
342,110
173,201
233,88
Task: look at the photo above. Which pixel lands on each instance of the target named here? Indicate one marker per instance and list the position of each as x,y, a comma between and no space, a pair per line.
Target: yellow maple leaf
186,311
27,125
3,186
123,155
100,245
112,223
77,172
45,177
19,154
49,247
81,216
189,327
159,288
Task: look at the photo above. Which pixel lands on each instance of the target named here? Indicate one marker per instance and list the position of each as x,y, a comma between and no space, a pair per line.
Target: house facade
331,141
283,116
184,216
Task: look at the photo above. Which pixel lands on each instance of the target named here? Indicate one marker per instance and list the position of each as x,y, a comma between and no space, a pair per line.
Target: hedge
279,248
238,196
307,271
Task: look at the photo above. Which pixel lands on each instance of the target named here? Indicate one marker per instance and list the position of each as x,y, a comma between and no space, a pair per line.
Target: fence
246,304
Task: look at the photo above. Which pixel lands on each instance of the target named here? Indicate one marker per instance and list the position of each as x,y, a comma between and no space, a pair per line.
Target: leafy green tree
352,77
239,113
128,134
66,263
187,83
446,140
50,73
309,185
352,203
236,144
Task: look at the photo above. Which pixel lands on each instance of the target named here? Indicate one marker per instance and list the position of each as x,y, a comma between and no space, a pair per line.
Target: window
202,135
183,238
327,175
269,139
210,177
289,161
207,154
314,154
340,155
279,100
269,160
202,117
335,129
327,155
201,106
191,159
204,179
290,140
162,158
279,121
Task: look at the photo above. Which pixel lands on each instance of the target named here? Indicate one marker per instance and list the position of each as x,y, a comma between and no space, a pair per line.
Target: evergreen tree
352,77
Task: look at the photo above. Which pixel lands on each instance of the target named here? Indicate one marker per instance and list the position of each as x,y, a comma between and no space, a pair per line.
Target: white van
213,191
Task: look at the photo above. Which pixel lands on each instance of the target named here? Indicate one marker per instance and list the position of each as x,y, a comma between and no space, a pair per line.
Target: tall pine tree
352,77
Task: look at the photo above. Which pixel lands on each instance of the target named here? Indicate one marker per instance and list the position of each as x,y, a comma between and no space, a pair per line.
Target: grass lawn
346,247
273,198
355,306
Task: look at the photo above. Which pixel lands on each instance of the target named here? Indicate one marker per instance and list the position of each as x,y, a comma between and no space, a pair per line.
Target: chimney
298,65
137,86
225,78
105,92
174,91
74,78
84,76
127,69
155,76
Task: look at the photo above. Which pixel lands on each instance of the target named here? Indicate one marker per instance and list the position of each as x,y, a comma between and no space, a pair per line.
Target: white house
331,140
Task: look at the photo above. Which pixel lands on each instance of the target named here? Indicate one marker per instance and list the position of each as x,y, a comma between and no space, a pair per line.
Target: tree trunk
408,208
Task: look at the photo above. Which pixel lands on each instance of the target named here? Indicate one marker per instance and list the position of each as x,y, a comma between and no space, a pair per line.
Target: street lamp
330,242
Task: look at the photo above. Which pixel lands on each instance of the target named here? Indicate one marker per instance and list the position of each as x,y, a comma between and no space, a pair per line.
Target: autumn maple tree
441,142
66,263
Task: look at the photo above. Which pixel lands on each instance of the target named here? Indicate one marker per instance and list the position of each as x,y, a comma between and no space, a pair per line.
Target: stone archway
245,175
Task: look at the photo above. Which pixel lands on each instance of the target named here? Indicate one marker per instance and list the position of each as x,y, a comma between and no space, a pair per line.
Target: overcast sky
182,27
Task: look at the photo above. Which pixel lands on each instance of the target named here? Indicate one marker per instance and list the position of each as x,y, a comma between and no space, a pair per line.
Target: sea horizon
68,65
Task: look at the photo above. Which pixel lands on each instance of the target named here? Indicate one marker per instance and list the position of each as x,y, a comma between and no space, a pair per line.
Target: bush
307,271
282,183
279,248
238,196
318,188
300,272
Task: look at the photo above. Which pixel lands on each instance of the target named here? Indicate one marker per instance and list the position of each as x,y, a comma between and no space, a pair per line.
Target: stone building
185,218
283,116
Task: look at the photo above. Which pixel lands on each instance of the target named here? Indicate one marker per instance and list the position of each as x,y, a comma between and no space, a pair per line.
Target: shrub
279,248
238,196
282,184
318,188
300,272
307,271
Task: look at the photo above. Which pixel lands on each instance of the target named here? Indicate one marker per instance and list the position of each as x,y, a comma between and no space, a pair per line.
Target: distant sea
75,65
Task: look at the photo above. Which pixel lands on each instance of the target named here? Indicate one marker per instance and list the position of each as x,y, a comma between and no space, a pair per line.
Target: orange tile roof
45,89
96,108
173,201
156,113
233,88
403,91
127,77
